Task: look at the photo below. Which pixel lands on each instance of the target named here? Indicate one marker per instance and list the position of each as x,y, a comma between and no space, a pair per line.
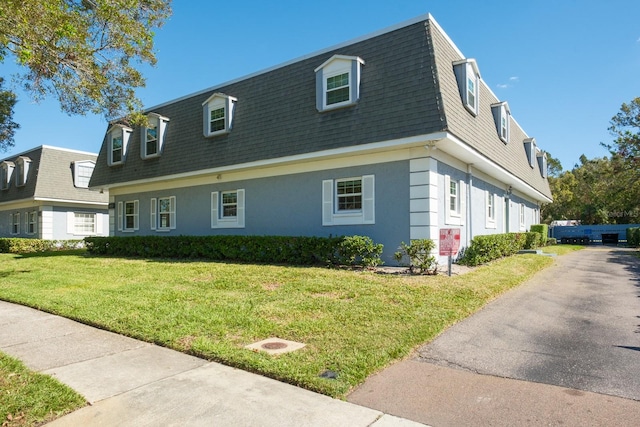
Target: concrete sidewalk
132,383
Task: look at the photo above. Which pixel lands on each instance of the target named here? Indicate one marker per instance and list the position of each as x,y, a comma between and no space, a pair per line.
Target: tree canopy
83,52
625,126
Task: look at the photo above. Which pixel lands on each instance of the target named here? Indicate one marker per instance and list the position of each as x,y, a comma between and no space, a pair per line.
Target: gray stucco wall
289,205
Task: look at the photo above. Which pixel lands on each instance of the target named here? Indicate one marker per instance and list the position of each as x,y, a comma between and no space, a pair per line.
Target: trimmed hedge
494,246
633,237
21,245
352,250
543,229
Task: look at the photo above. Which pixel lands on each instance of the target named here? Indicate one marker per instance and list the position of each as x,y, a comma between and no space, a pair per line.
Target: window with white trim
542,163
152,141
22,170
128,216
117,144
530,150
163,213
84,223
82,172
6,171
348,201
501,117
455,202
468,78
15,223
490,209
218,112
338,82
228,209
31,222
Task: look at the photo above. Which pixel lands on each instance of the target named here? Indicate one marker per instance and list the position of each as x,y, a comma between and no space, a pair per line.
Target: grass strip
29,399
353,323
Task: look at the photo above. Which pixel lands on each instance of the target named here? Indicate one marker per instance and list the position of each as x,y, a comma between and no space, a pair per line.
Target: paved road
575,326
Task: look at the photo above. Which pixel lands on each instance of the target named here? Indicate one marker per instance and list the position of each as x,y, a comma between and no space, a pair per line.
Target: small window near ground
32,222
348,201
84,223
15,223
128,216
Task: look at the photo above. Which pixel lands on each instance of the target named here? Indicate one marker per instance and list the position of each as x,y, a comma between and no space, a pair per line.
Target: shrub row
21,246
493,246
352,250
543,230
633,237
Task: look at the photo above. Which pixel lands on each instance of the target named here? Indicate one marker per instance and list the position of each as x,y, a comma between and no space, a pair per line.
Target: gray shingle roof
51,177
408,88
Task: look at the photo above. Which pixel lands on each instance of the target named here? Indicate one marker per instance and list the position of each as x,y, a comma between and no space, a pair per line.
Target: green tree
7,125
625,126
83,52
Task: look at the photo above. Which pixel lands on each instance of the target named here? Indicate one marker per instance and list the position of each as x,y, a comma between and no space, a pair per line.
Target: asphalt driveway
570,336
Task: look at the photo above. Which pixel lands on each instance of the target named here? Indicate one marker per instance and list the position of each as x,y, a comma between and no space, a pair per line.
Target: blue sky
564,66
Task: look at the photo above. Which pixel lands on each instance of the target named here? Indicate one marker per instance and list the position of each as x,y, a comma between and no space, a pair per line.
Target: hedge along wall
22,246
352,250
494,246
633,237
543,230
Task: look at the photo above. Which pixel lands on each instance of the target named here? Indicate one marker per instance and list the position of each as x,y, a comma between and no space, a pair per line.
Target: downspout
469,207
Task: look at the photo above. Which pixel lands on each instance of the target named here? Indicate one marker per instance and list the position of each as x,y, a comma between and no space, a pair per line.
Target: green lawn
28,398
353,323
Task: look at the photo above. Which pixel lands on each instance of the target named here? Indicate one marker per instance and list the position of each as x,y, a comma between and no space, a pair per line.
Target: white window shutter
119,218
26,222
99,225
240,208
153,211
172,209
136,211
214,209
70,222
368,199
327,202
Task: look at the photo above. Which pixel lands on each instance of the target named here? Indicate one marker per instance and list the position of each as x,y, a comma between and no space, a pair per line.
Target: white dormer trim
22,170
158,122
117,156
468,78
541,156
502,119
530,149
338,82
222,124
79,179
6,173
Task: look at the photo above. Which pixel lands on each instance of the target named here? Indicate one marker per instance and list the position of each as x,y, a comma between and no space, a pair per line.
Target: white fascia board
458,149
74,202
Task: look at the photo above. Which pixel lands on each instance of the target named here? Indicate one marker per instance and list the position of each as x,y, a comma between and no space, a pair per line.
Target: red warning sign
449,241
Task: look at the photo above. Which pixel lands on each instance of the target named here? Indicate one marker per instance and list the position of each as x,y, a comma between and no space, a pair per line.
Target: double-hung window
454,196
218,111
348,201
228,209
82,172
117,144
15,223
84,223
338,82
153,136
163,213
31,222
22,170
501,115
128,216
468,78
490,210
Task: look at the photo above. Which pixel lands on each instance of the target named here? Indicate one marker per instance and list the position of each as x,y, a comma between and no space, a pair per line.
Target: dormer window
218,112
82,172
468,77
530,149
152,136
6,171
501,117
338,82
117,143
542,163
22,170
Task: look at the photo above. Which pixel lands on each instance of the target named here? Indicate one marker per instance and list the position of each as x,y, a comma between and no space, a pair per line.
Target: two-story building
394,135
44,194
